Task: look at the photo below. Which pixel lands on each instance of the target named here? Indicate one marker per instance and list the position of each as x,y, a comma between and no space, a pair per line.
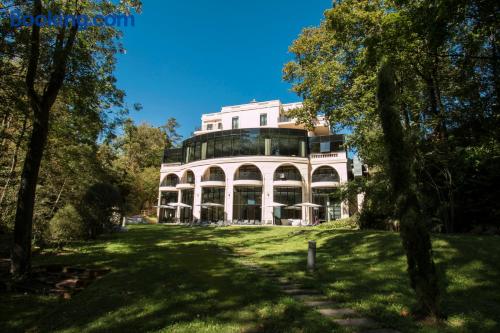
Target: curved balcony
288,183
168,188
325,184
213,183
184,186
247,182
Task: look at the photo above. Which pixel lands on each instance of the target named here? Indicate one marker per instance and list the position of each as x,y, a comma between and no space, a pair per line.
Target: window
203,150
219,126
263,119
247,203
267,149
210,127
288,196
235,123
324,147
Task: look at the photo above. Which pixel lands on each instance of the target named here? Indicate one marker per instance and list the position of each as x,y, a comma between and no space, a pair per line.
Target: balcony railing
286,176
248,176
213,178
324,155
324,178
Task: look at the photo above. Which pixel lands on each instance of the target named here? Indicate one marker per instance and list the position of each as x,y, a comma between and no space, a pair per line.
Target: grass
180,279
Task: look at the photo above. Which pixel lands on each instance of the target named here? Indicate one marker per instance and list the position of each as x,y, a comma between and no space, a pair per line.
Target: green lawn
181,279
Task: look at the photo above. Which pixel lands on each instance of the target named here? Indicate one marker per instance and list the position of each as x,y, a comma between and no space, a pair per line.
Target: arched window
248,172
214,174
325,174
287,172
188,177
170,180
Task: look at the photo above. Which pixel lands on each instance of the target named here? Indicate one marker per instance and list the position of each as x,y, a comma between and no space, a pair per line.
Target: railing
169,184
248,176
289,176
213,178
324,178
324,155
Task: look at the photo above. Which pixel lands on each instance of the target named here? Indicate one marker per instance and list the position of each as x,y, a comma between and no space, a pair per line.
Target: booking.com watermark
18,19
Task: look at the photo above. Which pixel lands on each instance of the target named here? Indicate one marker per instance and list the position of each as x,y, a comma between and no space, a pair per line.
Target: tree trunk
13,164
41,105
21,251
415,236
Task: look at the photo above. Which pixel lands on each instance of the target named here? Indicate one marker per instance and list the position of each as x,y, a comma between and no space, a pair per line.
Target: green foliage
350,223
445,57
66,225
100,208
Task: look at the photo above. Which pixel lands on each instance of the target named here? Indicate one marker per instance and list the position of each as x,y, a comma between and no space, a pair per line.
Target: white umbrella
166,206
276,204
211,204
307,205
179,204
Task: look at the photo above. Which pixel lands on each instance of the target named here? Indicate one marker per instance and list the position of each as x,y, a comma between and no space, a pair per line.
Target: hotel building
252,164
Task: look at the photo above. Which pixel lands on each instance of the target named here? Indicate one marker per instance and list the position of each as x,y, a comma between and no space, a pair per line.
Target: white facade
246,185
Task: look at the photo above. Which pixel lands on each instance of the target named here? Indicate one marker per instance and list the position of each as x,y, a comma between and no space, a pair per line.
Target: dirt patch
60,280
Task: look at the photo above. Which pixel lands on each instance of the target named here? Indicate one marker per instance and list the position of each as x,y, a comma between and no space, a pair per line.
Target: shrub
67,224
100,207
350,223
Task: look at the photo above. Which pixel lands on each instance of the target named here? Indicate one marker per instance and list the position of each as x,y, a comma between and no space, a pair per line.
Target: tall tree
416,238
51,60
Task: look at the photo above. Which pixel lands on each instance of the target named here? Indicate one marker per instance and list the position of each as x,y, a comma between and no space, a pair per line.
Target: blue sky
186,58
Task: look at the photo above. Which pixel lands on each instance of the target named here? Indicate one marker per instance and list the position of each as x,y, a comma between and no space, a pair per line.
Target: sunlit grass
181,279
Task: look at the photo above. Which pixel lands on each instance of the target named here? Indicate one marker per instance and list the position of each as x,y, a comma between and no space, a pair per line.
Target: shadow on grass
165,279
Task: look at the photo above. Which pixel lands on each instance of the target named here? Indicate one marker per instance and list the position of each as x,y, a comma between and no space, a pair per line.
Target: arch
287,172
170,180
325,173
248,172
214,173
188,177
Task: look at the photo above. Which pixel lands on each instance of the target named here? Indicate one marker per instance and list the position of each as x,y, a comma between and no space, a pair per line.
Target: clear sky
186,58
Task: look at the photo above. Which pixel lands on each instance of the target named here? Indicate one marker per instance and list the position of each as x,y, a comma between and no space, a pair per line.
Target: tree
48,68
445,54
416,238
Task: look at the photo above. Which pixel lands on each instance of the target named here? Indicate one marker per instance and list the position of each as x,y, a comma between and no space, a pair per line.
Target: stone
296,291
320,303
356,322
328,312
308,297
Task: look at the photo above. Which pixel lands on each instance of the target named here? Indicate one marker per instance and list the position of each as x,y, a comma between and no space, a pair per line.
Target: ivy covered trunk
414,233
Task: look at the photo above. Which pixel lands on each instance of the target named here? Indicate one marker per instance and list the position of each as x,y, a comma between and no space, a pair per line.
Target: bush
350,223
67,224
100,209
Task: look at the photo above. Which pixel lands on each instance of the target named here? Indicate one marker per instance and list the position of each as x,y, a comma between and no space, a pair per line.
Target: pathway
313,298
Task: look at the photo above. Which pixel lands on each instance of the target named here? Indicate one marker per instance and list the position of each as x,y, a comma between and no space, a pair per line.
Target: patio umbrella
307,205
179,204
276,204
211,204
166,206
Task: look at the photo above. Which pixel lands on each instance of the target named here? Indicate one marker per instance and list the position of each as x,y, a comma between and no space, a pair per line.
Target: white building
251,164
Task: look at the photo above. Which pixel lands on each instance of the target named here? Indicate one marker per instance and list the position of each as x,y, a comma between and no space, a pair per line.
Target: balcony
323,156
213,180
325,179
249,176
184,186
